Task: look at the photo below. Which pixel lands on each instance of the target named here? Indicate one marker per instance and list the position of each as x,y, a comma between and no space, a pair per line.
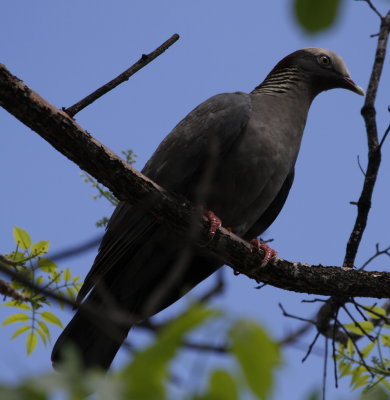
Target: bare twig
325,369
294,336
376,254
384,136
373,8
124,76
286,314
334,350
361,170
311,346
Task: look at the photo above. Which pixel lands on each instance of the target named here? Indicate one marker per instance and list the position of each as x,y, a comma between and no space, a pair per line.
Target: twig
373,8
7,290
361,169
286,314
325,369
334,350
310,348
357,324
377,254
352,338
294,336
384,136
124,76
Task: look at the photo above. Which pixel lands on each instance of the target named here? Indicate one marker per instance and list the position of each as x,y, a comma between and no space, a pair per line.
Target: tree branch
374,148
330,308
124,76
60,130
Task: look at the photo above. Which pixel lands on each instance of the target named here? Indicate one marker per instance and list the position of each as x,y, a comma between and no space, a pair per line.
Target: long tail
96,338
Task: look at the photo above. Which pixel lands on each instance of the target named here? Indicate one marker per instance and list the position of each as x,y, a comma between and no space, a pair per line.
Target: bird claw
215,222
268,251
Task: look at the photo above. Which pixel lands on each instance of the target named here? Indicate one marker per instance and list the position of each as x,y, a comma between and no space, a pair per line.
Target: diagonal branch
124,76
60,130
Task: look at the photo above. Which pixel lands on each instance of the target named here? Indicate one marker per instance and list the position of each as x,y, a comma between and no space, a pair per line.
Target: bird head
324,68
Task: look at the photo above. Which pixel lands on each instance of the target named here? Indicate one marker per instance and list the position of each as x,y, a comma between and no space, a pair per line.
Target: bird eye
324,60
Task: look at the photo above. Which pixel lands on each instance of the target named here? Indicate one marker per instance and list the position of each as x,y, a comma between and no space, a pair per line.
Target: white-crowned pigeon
244,147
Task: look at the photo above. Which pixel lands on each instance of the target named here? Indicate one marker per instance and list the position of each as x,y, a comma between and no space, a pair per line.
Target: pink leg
214,221
268,252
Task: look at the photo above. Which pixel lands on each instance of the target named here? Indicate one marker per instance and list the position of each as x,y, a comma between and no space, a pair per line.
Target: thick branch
56,127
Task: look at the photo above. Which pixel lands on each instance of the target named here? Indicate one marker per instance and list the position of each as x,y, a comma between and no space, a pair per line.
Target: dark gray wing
175,165
268,217
181,156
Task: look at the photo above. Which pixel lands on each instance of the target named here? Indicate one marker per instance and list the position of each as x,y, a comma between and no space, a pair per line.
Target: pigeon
234,155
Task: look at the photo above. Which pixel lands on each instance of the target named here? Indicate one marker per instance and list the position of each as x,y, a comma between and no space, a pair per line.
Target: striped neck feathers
281,80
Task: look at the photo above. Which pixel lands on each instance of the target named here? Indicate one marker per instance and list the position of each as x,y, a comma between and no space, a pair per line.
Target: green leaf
45,329
47,265
17,256
376,393
40,280
42,335
18,317
350,347
71,293
40,247
22,238
222,386
18,304
367,349
61,303
67,275
153,361
257,355
51,318
316,15
385,338
361,380
364,327
31,342
20,330
344,368
377,313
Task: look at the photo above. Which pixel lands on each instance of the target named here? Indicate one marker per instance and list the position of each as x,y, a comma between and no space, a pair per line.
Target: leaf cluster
367,366
32,316
148,376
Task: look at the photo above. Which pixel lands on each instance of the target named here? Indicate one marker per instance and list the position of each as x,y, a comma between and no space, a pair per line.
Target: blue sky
64,50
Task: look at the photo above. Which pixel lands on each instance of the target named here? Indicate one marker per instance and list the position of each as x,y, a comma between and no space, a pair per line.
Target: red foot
268,252
214,221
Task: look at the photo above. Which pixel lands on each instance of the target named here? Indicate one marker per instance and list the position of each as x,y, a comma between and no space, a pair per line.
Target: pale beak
351,85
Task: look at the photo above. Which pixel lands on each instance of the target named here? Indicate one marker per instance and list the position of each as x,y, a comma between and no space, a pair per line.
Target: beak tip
351,85
360,91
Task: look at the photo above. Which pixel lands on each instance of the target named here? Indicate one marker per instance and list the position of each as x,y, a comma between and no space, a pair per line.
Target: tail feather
96,339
